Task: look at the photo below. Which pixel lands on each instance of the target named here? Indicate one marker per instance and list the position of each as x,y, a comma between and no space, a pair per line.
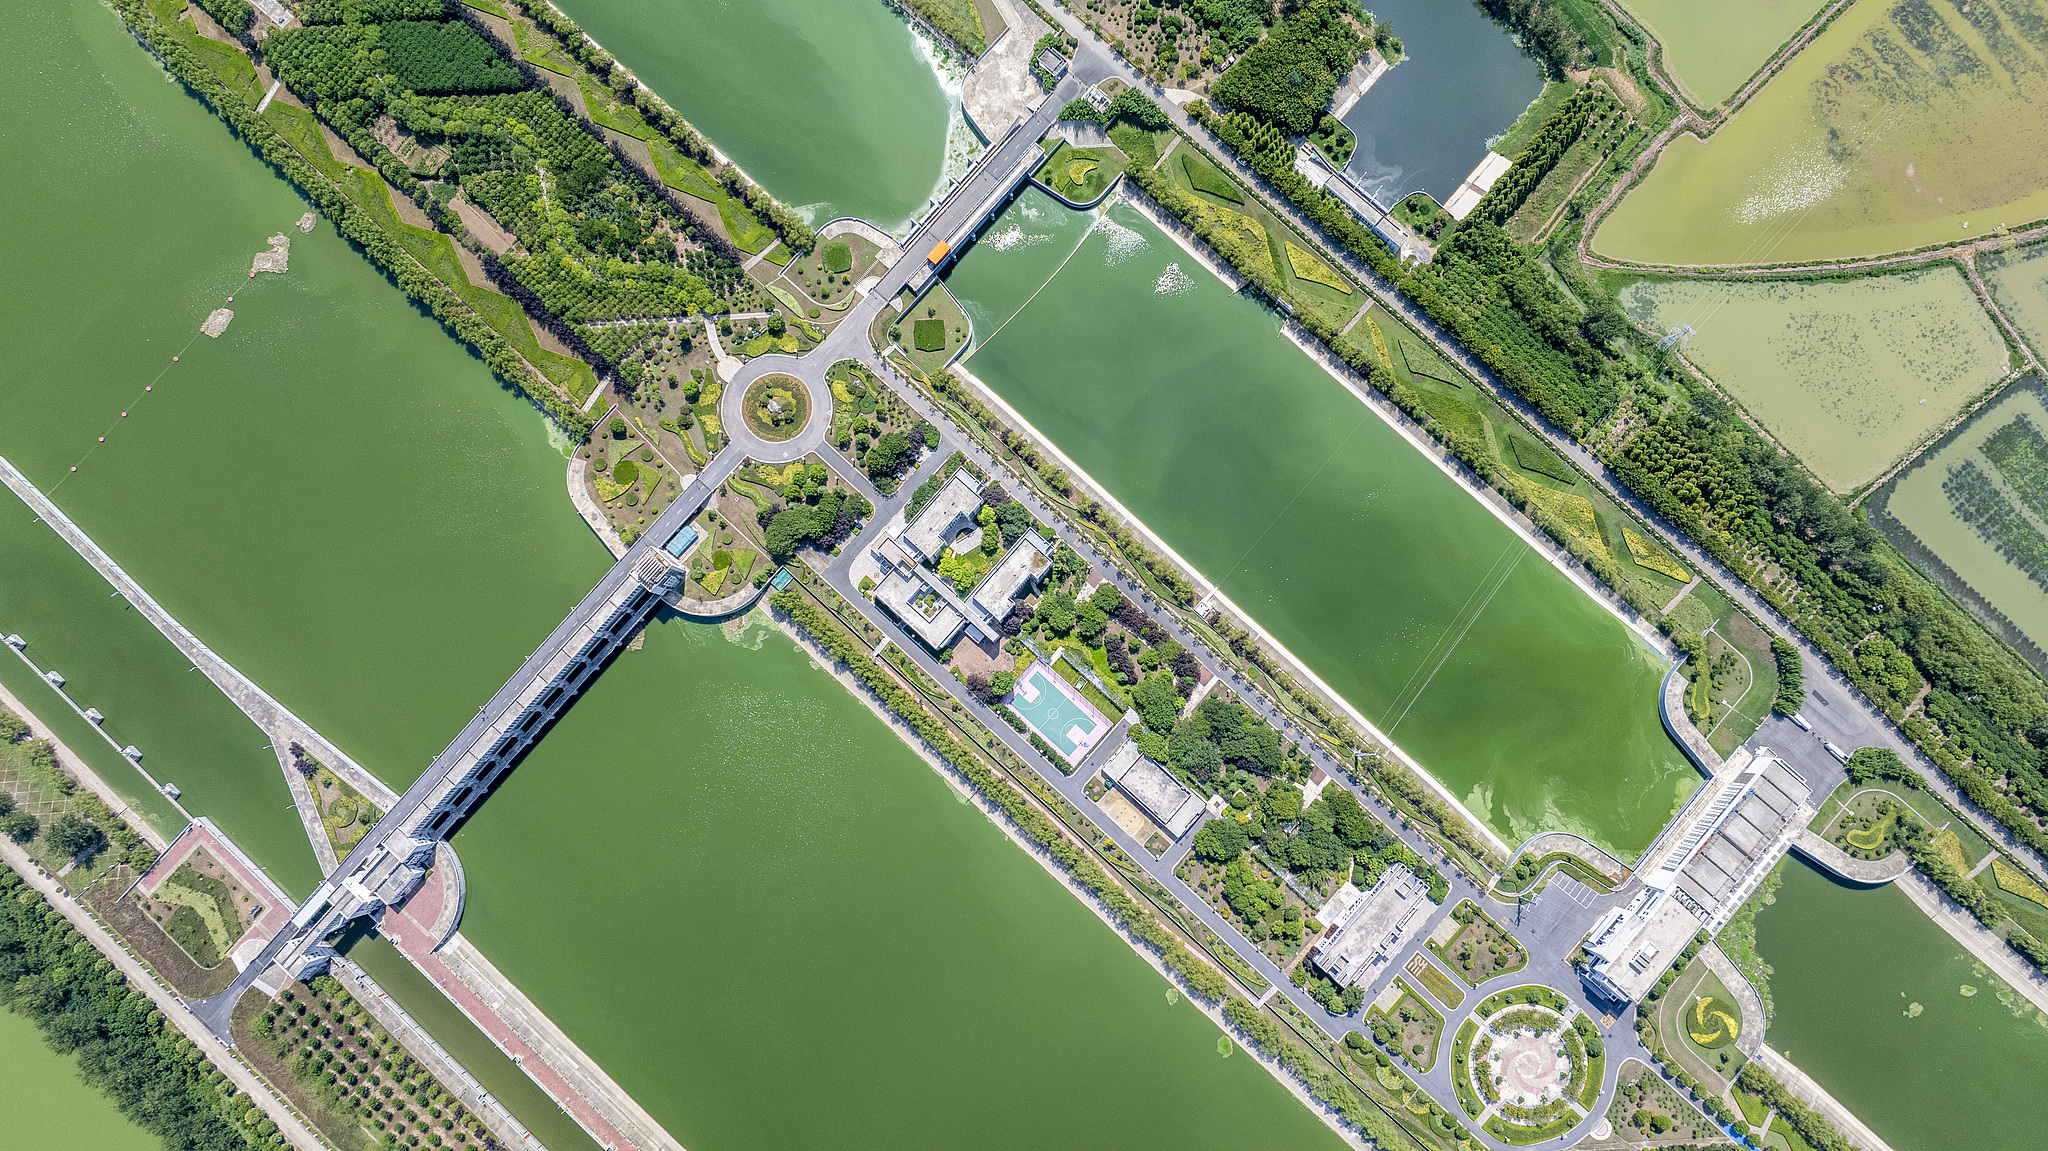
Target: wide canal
1894,1019
1519,691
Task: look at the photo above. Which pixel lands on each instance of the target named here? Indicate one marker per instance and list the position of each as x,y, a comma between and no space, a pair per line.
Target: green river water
832,105
335,495
720,875
1849,965
45,1104
786,903
1508,683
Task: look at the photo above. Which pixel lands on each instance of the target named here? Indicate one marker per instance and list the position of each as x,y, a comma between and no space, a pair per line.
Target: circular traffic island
776,407
1528,1065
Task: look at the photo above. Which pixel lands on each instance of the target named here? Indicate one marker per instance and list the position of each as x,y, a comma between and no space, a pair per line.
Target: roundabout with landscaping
1528,1065
776,407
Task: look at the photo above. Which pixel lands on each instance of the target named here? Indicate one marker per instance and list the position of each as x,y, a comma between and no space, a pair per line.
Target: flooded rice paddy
1847,375
1905,123
1962,511
1713,49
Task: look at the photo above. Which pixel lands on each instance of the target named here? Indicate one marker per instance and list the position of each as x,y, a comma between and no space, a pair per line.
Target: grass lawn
344,813
1197,173
231,65
1744,715
937,304
1072,674
1261,238
1080,175
742,227
1482,949
1673,1014
828,272
958,20
1421,213
776,407
1558,184
1417,1026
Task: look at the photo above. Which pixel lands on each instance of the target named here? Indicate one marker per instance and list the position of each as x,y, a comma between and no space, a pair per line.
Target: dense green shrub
1791,677
929,335
437,57
1287,79
235,16
370,11
837,257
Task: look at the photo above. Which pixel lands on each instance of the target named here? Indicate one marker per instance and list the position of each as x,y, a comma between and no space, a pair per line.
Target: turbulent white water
1013,237
1173,282
962,145
1123,242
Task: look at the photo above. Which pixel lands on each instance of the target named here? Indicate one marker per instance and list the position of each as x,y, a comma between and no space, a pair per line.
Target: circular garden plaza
1527,1065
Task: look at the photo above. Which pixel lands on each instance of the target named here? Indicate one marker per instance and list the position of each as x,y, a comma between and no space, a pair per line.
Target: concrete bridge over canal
391,861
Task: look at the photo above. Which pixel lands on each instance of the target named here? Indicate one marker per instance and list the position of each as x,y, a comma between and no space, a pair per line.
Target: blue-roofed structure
681,541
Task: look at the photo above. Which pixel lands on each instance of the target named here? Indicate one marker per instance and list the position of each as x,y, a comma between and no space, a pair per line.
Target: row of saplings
330,1043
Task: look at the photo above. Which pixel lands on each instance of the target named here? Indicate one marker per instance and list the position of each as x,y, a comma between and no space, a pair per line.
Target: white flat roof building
1744,821
950,512
921,608
1167,800
1026,562
1367,935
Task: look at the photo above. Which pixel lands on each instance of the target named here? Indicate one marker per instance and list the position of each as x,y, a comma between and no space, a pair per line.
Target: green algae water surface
777,927
46,1105
335,495
1894,1019
1512,686
832,105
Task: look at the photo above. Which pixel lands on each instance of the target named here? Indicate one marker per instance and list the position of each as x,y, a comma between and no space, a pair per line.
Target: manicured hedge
930,335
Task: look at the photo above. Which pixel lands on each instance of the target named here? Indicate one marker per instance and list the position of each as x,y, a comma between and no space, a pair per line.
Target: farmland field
1962,513
1837,371
1711,49
1905,123
2019,282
